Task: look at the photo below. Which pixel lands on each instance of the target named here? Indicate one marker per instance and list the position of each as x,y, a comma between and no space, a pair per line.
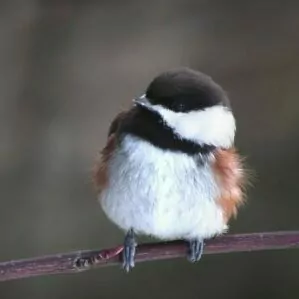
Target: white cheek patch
214,125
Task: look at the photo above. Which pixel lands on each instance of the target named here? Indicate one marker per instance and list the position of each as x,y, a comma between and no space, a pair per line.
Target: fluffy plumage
169,168
161,193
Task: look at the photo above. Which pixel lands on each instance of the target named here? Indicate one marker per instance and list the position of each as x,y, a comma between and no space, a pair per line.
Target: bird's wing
100,169
115,124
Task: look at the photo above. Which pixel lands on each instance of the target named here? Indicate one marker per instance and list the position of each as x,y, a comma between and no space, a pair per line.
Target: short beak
142,101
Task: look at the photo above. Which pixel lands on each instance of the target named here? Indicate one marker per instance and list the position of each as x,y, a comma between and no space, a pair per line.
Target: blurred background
67,67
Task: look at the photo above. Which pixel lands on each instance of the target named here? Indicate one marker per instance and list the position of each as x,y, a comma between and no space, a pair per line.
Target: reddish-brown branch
72,262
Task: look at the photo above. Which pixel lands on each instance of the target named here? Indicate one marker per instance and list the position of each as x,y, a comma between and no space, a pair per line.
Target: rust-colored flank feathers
230,175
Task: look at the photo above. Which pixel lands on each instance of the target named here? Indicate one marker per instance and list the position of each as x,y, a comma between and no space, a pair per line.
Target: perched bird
169,168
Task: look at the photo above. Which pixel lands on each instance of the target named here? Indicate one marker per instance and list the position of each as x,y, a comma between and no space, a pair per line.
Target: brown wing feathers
99,172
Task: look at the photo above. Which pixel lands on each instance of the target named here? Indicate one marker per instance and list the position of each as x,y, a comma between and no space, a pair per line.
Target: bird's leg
195,249
129,250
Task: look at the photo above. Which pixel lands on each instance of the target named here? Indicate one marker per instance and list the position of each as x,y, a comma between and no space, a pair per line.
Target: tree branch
78,261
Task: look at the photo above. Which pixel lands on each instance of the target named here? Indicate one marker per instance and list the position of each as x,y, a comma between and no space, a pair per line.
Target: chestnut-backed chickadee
169,168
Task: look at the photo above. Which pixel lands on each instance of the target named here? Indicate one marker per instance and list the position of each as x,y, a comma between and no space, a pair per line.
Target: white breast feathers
168,195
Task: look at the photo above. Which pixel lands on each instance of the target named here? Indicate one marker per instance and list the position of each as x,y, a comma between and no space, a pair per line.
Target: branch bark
78,261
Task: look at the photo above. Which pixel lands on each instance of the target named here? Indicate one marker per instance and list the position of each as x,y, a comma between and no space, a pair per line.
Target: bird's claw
129,251
195,250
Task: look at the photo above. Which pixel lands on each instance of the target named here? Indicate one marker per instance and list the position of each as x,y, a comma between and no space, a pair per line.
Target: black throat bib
150,126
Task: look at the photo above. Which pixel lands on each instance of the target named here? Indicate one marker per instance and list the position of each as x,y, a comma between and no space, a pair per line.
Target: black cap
184,90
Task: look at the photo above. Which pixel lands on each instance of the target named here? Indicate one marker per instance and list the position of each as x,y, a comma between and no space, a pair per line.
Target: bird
169,168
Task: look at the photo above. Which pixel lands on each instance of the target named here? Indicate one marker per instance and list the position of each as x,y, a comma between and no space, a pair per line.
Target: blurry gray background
67,67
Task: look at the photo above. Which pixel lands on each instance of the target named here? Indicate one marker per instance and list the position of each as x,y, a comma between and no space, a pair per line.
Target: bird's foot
129,251
195,250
